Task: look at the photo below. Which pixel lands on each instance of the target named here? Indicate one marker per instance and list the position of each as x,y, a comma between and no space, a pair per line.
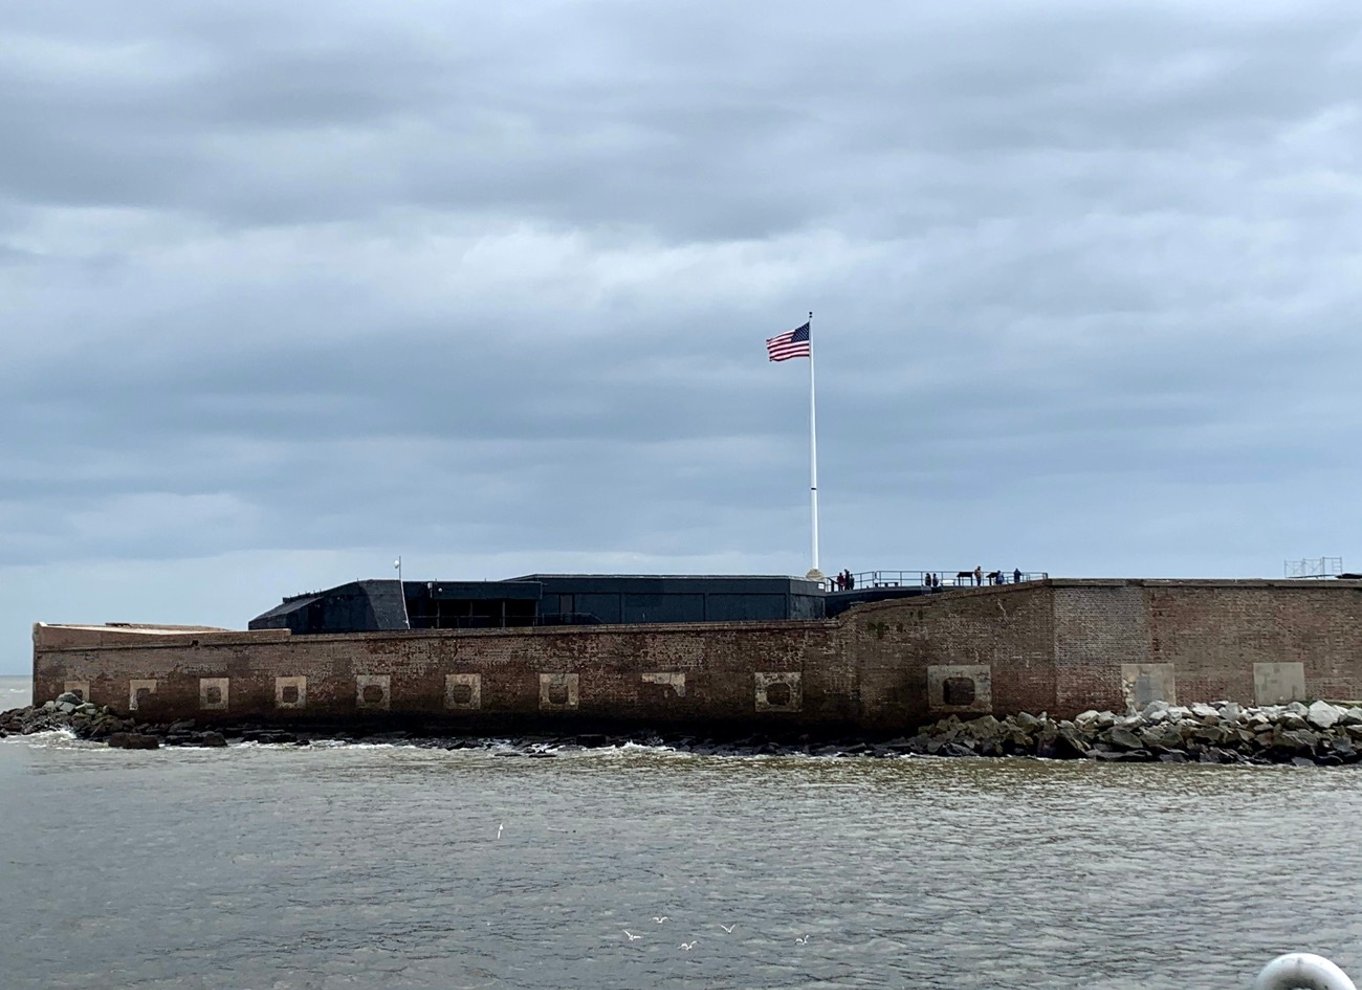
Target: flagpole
815,574
402,593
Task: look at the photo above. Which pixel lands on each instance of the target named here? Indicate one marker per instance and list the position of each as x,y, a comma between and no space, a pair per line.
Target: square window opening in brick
213,693
463,691
290,692
777,691
958,691
373,690
139,692
558,692
779,695
960,687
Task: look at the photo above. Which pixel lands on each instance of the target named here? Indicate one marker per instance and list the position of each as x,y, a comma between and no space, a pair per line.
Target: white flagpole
815,574
402,592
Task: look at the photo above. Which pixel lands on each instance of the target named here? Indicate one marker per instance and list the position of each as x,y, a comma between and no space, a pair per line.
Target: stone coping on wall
961,593
131,628
50,636
1194,583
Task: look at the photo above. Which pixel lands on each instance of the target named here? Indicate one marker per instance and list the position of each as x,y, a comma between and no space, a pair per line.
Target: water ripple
368,867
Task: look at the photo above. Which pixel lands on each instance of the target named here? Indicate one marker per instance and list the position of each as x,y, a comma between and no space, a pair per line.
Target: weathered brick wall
1255,642
1098,627
767,675
1057,646
1216,634
1000,638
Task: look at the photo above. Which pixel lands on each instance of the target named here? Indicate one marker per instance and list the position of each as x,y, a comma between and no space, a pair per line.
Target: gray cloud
288,290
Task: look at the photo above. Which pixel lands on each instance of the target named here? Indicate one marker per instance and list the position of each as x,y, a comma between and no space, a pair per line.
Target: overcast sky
287,290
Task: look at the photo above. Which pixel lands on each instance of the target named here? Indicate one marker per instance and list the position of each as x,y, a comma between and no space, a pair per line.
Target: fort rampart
1060,646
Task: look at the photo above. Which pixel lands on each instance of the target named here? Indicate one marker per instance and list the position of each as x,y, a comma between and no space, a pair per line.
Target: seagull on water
631,935
689,945
803,941
728,929
662,919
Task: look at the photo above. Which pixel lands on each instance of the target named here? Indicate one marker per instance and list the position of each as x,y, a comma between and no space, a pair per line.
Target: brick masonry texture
1058,646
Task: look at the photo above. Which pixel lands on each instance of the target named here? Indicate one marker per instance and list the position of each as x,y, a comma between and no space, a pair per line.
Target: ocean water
15,692
328,867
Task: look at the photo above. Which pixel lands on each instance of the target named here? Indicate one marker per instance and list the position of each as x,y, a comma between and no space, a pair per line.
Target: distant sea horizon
16,691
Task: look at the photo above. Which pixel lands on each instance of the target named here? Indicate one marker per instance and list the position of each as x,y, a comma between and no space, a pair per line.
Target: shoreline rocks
102,724
1222,732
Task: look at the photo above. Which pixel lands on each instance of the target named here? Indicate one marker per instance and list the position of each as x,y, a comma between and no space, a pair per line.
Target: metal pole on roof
402,592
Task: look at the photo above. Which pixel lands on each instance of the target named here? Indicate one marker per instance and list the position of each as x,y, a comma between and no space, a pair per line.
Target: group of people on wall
846,581
977,577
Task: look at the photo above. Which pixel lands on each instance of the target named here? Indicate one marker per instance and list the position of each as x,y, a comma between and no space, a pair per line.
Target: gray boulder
1124,738
1323,715
1070,743
1214,734
983,728
1087,722
1155,711
1296,740
1162,735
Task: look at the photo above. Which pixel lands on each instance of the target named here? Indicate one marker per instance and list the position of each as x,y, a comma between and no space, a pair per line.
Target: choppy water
282,868
15,692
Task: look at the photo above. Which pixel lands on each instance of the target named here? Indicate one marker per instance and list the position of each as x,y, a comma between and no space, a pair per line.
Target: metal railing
862,580
1313,567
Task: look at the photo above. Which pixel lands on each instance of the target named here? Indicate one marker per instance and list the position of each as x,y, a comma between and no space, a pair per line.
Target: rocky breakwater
87,721
1221,732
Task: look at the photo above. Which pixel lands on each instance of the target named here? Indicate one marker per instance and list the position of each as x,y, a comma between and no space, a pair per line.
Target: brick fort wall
1060,646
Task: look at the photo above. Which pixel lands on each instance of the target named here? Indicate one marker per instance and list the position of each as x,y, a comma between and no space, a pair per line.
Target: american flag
790,345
